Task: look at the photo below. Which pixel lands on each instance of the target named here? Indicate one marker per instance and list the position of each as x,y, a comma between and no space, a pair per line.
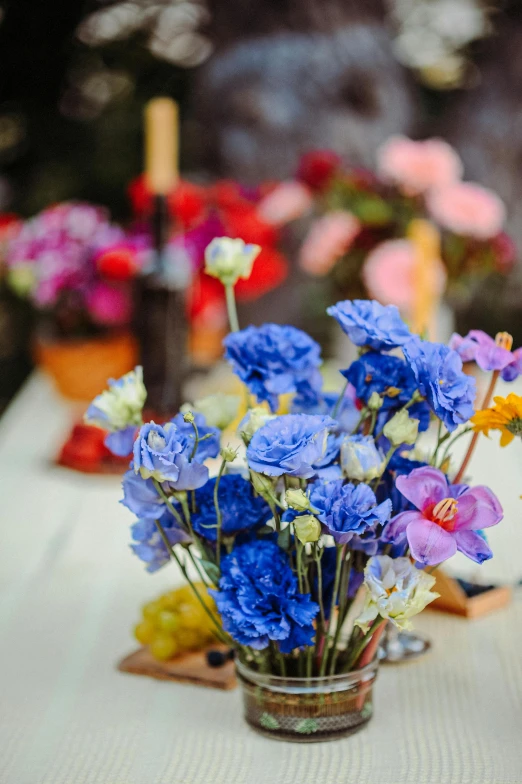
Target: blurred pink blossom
328,239
467,209
416,167
388,274
109,305
288,201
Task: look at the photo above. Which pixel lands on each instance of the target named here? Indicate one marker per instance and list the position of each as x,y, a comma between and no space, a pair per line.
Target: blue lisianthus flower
141,497
348,510
290,444
449,392
368,323
164,453
393,379
240,509
259,600
273,359
148,544
209,446
327,467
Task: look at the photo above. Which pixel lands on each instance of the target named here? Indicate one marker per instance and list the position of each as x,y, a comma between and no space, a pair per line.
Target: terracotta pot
80,368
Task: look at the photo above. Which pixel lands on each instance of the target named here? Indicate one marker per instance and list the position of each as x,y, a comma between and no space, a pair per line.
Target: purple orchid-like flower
447,517
489,353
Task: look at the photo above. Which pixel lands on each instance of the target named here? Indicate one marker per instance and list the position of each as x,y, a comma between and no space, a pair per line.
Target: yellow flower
505,415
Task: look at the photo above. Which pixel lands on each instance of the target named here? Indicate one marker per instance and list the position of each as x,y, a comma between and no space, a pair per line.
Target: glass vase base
402,647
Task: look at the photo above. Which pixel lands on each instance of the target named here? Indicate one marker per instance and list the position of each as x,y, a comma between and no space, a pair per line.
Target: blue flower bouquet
320,525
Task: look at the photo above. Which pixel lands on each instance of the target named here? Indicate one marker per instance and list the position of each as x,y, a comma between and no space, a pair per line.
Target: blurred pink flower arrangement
359,236
53,261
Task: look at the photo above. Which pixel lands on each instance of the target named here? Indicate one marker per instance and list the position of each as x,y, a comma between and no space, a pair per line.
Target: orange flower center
444,513
504,340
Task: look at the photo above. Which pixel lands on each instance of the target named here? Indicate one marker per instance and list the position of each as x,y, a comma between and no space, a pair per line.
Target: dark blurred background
258,82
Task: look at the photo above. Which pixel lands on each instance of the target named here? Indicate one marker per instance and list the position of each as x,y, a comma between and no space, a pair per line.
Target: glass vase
307,710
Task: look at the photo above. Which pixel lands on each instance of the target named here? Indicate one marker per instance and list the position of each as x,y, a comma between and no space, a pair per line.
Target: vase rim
340,681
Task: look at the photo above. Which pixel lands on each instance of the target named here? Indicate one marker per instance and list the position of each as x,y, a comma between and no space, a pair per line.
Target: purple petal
424,487
121,442
395,530
492,357
429,543
473,545
478,508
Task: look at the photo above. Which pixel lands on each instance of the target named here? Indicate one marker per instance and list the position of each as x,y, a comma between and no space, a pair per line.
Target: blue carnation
347,414
348,511
240,509
449,392
164,453
259,600
368,323
209,446
291,444
273,360
148,543
141,497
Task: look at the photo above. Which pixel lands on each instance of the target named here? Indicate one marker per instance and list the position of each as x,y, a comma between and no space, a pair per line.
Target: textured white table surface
70,591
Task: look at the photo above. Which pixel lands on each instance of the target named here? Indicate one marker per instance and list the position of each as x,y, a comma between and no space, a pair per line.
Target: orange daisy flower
505,415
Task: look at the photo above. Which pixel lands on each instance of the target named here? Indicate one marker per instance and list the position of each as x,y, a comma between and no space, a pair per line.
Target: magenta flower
447,517
489,353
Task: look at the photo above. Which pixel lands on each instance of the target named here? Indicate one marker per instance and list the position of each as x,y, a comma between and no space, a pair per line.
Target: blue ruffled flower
164,453
118,409
347,511
209,447
291,444
240,509
141,497
368,323
273,359
259,600
148,544
346,416
449,391
393,379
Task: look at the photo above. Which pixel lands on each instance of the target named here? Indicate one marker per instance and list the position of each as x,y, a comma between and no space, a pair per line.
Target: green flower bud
307,528
262,484
230,259
228,454
375,401
298,500
188,416
401,429
255,418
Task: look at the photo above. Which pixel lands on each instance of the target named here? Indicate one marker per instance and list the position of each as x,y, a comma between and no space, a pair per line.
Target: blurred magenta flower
417,167
489,353
467,209
447,517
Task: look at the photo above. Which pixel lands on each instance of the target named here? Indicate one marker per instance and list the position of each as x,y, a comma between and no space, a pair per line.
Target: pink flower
285,203
389,274
416,167
468,209
328,239
109,305
447,517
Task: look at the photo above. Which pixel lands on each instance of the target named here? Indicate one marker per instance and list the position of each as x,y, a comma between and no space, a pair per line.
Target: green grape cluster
176,622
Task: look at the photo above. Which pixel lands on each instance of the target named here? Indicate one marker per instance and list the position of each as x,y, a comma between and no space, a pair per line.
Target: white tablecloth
71,591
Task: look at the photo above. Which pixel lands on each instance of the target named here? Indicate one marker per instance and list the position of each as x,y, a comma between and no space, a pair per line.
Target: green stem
338,561
339,400
356,653
343,600
174,555
167,501
219,517
231,308
452,442
204,577
186,511
196,440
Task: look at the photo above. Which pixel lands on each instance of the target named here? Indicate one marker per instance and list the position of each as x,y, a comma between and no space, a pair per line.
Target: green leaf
211,569
307,726
268,721
283,540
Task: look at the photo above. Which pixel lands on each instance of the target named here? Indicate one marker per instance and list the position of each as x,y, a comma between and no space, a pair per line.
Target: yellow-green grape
164,646
168,621
176,622
144,632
